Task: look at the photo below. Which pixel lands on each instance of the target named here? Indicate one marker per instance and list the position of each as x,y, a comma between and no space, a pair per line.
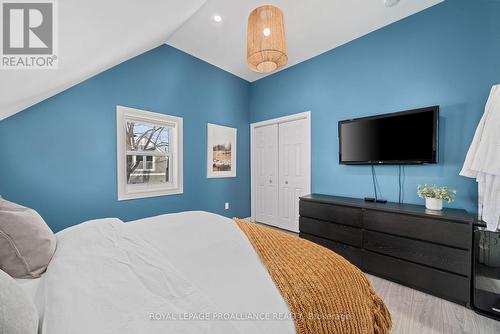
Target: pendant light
266,44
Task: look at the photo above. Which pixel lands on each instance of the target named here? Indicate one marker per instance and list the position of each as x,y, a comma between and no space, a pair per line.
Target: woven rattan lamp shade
266,44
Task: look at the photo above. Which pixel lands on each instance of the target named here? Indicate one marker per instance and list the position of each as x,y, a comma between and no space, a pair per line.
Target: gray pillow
26,242
18,314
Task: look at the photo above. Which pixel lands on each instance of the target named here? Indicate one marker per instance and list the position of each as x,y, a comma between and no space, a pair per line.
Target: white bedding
29,285
112,277
32,288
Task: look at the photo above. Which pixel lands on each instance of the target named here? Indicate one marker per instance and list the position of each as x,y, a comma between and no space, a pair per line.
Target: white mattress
111,277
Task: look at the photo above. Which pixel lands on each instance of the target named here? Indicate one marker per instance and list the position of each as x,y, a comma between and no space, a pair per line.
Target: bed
190,272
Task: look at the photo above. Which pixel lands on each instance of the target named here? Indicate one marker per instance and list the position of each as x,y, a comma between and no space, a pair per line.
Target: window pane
147,170
149,162
146,137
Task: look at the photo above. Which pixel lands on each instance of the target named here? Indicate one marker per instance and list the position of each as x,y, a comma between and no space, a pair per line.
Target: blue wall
447,55
59,156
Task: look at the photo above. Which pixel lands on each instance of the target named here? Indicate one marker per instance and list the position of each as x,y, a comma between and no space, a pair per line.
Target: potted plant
435,195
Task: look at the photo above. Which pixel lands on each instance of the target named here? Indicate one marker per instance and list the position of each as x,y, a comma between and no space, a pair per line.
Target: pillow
26,242
18,314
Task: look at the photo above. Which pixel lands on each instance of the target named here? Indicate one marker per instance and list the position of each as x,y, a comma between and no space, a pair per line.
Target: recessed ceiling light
390,3
217,18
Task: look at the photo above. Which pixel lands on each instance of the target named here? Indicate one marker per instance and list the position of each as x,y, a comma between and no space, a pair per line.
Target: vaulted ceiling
95,35
312,27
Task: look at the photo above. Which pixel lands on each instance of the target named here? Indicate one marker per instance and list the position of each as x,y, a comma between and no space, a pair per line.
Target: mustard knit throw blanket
325,293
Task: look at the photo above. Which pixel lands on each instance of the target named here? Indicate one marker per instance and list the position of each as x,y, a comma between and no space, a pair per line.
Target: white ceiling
312,27
94,35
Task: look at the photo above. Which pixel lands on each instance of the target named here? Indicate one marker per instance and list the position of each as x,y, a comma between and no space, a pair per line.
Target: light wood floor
415,312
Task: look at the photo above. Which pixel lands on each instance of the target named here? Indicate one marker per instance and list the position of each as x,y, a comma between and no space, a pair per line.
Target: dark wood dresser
426,250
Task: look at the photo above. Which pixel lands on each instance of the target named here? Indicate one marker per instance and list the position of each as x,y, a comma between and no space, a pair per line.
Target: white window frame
175,125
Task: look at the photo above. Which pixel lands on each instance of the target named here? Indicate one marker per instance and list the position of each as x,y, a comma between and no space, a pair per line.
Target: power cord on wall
374,182
401,182
403,185
376,187
376,199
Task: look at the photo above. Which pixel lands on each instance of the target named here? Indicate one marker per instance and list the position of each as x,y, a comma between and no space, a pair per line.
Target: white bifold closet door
293,172
265,166
281,172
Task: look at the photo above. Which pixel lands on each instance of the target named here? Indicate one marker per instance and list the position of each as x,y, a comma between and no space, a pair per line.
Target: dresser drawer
351,254
328,230
439,283
428,229
437,256
334,213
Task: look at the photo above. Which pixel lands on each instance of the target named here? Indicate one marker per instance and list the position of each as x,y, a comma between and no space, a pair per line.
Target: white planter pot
434,204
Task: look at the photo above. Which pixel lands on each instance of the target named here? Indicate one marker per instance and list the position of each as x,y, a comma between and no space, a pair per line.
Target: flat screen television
408,137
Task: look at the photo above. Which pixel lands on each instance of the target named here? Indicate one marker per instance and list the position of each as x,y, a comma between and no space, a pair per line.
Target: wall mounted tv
408,137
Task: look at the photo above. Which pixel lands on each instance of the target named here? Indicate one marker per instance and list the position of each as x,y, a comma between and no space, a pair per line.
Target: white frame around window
175,154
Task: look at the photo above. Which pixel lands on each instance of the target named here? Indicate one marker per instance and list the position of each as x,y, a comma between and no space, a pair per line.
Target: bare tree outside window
148,154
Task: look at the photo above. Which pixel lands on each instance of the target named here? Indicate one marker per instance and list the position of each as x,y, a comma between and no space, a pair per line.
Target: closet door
265,169
294,165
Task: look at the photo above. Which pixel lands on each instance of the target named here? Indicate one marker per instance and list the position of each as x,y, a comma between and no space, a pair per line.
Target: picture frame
221,151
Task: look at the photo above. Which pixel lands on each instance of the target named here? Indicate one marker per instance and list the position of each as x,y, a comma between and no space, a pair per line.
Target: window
149,148
150,163
141,163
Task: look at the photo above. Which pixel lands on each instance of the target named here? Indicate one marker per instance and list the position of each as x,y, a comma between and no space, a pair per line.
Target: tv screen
409,137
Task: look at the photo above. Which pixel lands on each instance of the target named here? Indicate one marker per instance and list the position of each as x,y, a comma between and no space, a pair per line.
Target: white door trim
303,115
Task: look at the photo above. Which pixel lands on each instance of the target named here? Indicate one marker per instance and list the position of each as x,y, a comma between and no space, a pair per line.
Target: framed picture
221,151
